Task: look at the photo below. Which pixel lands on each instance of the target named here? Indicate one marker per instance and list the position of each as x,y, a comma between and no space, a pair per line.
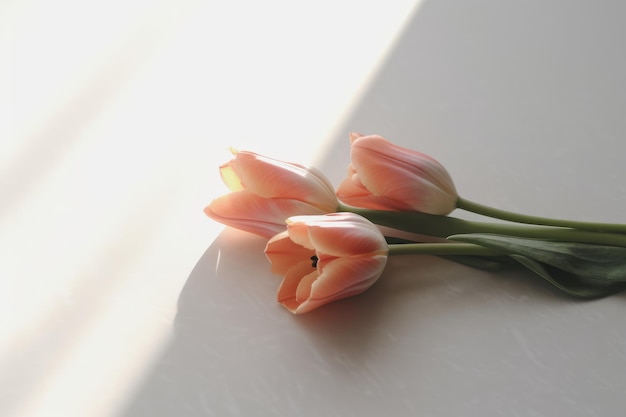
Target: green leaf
569,283
578,269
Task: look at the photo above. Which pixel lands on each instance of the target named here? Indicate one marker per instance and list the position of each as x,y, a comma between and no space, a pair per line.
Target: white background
118,297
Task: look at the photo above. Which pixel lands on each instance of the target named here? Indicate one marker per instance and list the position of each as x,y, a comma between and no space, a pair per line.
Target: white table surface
118,297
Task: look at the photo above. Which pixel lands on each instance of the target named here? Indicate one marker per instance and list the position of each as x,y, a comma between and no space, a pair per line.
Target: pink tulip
267,191
325,258
384,176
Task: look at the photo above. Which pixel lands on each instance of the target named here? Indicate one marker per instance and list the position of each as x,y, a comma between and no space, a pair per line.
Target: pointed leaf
578,269
587,260
569,283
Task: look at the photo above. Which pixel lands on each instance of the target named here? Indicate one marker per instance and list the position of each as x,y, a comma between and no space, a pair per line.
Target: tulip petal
303,291
382,175
299,232
289,286
246,211
284,253
348,275
342,240
344,277
354,193
299,226
346,234
411,178
351,188
270,178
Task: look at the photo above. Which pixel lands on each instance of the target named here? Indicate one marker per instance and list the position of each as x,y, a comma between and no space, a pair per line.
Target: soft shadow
235,351
229,332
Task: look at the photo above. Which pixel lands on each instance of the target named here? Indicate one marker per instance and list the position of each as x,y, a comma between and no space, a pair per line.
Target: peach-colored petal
352,186
374,150
348,275
351,191
272,178
346,234
344,277
371,201
303,291
332,218
299,232
406,178
299,227
326,188
284,253
246,211
288,287
337,234
377,143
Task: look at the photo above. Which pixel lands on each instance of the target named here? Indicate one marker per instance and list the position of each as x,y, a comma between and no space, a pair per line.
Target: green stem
442,249
537,220
444,226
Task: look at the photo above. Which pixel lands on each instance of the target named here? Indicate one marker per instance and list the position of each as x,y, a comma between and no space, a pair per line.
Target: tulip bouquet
329,243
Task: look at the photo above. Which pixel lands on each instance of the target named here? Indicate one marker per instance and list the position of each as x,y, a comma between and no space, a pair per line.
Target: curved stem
442,249
537,220
444,226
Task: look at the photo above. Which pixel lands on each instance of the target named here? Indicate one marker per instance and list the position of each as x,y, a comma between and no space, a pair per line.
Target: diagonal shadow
229,323
235,353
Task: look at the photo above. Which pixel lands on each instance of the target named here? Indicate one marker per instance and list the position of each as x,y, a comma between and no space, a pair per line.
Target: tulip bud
384,176
267,191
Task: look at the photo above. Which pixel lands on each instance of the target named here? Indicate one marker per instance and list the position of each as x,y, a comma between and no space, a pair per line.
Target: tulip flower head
267,191
325,258
385,176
